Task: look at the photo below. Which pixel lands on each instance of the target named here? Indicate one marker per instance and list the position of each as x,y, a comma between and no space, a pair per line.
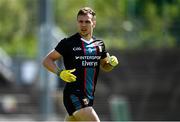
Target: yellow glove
67,75
113,61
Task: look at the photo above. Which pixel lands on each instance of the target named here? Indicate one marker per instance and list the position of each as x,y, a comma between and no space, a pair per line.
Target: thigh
86,114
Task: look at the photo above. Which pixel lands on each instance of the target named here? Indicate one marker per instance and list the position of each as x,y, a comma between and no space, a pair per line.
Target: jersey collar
87,41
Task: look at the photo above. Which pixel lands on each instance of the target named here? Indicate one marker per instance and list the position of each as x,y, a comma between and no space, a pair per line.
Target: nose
83,24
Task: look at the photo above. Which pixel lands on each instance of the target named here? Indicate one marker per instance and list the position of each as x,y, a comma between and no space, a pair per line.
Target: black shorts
75,100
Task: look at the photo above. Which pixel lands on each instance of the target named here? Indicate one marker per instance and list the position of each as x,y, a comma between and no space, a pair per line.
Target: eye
80,21
87,21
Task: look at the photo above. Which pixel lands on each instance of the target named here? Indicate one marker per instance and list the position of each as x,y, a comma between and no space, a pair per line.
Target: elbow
44,62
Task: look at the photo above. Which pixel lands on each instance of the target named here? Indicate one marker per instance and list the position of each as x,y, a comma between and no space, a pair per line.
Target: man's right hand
67,75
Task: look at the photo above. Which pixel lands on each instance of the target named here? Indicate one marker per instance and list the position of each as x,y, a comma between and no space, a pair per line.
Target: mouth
83,29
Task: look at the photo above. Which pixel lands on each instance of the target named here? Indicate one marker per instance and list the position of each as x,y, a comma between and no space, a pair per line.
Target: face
85,25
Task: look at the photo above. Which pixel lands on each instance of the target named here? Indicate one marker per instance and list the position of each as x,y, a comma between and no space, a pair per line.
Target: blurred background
143,34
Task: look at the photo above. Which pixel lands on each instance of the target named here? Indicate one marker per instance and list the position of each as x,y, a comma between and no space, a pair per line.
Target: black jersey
85,58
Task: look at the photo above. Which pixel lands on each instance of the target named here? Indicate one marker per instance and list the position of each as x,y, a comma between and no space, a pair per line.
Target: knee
69,118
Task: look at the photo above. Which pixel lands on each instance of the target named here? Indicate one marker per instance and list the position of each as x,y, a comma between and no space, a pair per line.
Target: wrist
58,71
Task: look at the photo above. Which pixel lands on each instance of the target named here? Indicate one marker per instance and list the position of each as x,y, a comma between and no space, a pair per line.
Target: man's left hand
113,61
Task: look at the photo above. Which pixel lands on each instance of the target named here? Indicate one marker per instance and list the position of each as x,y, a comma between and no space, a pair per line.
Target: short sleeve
103,51
61,47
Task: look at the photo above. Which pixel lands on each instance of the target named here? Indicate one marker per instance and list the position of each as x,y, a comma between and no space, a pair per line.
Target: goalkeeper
83,55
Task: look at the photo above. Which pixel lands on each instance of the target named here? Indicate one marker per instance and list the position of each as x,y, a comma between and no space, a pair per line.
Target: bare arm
49,61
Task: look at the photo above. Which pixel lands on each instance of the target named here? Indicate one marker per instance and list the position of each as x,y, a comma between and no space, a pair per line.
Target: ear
94,24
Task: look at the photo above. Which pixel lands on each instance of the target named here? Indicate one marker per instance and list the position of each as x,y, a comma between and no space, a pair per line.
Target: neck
86,37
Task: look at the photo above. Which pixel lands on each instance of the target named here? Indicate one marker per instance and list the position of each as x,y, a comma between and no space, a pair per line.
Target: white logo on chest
77,48
90,50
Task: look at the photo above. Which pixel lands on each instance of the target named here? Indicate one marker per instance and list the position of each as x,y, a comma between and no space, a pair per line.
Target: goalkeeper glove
113,61
67,75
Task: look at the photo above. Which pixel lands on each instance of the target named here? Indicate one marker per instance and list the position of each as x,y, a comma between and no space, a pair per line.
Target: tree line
123,24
